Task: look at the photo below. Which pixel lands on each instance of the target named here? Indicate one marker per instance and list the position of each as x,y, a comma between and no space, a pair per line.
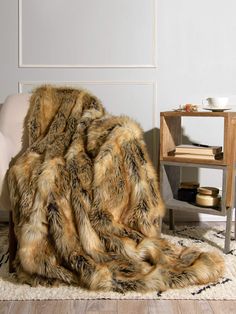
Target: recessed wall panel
87,33
135,99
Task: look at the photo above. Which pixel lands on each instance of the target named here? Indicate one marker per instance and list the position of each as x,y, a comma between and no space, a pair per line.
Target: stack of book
199,152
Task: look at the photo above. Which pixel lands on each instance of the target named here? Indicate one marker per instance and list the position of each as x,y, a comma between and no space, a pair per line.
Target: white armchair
12,114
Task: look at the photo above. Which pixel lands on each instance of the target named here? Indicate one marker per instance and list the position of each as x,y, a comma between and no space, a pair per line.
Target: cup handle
204,102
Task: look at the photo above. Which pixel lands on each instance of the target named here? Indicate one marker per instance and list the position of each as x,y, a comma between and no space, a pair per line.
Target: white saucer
217,109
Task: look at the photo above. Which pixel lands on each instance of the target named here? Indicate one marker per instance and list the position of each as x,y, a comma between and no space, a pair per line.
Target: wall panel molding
25,86
22,85
153,47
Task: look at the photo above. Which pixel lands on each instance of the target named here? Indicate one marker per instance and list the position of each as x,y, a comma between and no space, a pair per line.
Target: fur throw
86,203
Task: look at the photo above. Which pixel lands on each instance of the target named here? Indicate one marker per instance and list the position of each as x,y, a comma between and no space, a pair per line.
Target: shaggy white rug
204,238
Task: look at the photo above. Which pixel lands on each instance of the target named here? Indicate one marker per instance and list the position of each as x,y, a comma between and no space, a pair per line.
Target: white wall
139,56
196,45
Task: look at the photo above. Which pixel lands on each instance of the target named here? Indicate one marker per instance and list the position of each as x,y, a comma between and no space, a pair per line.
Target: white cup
216,102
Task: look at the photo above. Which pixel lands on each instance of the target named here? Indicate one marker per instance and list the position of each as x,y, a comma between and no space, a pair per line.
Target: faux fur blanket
87,206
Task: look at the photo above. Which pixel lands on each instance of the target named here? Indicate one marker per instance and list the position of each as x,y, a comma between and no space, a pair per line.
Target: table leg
171,219
235,223
228,230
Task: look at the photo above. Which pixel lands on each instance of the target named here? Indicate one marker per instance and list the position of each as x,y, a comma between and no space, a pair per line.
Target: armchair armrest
12,114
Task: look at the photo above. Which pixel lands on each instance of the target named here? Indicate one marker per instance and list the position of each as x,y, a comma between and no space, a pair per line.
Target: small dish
217,109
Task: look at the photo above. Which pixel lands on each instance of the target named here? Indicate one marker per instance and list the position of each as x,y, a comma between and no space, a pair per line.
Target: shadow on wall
189,173
152,138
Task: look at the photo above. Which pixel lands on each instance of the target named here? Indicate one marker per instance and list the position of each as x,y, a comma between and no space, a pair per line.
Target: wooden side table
170,166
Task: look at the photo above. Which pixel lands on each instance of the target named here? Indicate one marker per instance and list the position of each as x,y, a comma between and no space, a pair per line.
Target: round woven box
208,196
207,200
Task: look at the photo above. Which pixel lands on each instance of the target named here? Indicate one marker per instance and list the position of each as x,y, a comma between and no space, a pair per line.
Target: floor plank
133,307
118,307
50,306
78,306
19,307
226,307
101,306
4,307
163,307
194,307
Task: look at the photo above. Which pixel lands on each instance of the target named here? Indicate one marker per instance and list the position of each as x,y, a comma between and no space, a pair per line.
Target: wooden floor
119,306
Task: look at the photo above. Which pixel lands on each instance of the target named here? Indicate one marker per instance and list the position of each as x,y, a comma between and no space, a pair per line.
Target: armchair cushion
12,114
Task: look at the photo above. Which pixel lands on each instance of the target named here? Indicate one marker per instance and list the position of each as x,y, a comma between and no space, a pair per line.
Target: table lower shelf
185,206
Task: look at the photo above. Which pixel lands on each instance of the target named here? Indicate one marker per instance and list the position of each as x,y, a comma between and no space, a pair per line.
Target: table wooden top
198,114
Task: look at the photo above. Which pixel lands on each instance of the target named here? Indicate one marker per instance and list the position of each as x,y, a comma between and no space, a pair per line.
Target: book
218,156
192,149
189,185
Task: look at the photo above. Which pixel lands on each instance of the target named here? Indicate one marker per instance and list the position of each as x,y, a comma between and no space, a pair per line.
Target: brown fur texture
86,203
